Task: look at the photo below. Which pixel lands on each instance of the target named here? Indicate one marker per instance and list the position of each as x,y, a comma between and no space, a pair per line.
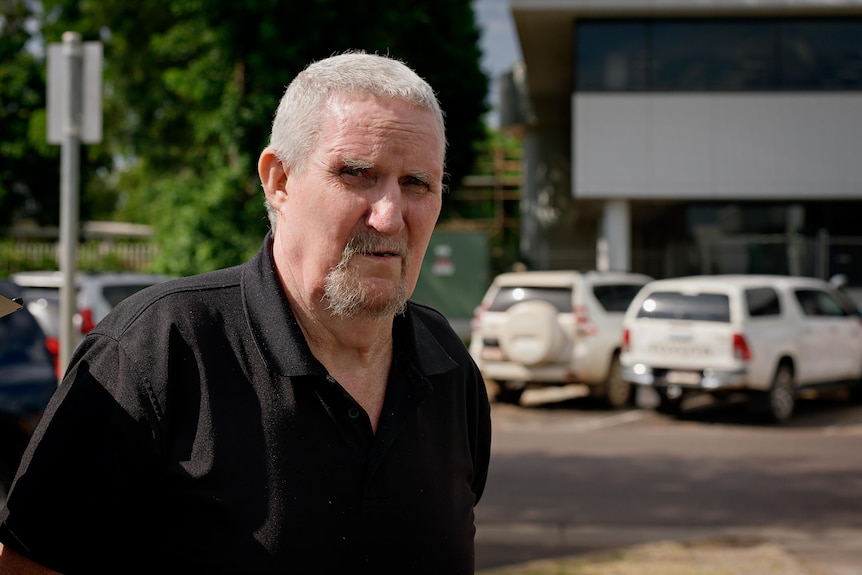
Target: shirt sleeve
86,468
480,442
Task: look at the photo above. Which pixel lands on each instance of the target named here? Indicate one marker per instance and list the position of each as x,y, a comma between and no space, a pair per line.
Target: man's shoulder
429,316
177,298
191,286
427,322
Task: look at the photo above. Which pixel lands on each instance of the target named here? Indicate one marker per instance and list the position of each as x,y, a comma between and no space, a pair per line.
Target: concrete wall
717,146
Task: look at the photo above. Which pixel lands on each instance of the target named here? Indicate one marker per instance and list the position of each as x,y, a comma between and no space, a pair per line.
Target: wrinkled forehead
342,108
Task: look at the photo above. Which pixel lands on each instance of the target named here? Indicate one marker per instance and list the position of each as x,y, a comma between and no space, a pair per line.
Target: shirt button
353,413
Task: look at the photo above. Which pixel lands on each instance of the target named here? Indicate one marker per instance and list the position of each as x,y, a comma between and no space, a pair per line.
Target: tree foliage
29,168
191,87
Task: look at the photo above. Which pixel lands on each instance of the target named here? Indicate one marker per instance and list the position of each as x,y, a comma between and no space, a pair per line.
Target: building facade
690,136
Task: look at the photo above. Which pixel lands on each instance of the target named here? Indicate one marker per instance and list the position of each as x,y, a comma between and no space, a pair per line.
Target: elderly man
296,413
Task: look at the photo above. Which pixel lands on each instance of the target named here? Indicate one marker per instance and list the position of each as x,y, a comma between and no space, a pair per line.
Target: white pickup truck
769,336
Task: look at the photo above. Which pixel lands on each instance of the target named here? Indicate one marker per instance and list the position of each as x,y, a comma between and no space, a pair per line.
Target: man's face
357,218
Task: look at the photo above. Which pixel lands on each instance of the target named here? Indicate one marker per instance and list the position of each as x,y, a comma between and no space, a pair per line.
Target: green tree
191,87
29,168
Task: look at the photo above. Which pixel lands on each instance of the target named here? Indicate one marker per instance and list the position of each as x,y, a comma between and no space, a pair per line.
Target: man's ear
273,177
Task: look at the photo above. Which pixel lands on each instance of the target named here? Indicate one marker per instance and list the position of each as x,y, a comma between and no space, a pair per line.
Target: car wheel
617,391
531,334
854,391
509,392
781,397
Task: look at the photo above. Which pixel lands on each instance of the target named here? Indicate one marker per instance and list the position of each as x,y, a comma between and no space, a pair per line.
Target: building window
712,55
688,55
821,55
612,56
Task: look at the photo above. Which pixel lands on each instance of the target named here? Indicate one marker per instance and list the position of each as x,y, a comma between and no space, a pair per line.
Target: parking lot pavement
570,549
559,444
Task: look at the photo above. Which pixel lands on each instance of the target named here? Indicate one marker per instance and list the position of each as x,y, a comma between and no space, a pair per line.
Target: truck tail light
583,324
53,345
87,323
477,315
627,339
740,347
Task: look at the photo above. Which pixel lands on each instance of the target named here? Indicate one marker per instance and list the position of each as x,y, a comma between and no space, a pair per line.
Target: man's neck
353,340
357,352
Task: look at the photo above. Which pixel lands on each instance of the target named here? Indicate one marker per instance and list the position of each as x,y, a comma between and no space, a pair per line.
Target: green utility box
455,275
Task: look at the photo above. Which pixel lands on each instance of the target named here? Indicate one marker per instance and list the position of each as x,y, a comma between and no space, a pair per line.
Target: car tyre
854,391
509,392
781,398
617,391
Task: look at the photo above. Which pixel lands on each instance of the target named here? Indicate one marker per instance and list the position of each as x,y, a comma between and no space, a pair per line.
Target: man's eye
352,171
415,182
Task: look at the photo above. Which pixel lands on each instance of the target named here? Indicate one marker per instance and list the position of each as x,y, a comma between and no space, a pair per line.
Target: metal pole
823,267
69,191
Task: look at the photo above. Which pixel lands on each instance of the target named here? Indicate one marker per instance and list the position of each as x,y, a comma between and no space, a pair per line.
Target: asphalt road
569,477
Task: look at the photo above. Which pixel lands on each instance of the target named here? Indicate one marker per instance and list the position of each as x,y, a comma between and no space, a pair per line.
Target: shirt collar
413,337
280,340
276,332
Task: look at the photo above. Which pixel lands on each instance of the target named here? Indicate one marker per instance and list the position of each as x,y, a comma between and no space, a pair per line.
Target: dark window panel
718,55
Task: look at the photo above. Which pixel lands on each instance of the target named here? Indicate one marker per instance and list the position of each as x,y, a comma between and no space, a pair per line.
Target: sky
499,42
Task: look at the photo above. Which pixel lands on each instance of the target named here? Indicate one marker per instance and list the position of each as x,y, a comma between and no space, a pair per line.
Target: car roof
38,278
735,281
556,278
54,278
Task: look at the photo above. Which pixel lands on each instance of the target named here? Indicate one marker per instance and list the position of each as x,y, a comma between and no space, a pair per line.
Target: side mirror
838,281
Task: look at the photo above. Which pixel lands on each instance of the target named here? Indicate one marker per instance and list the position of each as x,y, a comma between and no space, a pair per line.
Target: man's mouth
375,246
379,247
384,254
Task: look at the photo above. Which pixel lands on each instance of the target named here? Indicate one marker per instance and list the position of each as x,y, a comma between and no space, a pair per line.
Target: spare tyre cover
531,334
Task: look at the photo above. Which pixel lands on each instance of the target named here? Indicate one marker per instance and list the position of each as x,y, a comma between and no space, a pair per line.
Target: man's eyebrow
356,163
360,164
422,175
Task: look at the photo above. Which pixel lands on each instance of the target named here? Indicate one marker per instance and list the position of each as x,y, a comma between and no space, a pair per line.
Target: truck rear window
682,306
560,298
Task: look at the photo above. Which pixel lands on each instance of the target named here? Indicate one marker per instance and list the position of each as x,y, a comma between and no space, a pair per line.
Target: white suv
553,328
767,336
98,293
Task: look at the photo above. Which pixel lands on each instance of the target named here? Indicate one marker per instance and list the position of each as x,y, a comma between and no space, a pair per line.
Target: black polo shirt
195,432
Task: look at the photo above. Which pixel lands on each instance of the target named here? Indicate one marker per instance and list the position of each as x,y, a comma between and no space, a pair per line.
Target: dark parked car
27,381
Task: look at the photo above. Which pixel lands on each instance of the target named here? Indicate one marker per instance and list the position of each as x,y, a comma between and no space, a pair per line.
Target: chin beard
347,296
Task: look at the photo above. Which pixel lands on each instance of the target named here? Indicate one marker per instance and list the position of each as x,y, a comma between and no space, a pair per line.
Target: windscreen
21,340
560,298
683,306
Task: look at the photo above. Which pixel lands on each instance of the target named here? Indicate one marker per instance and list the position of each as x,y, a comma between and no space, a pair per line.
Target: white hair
299,117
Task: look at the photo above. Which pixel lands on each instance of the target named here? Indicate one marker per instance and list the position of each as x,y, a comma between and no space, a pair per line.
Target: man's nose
386,213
